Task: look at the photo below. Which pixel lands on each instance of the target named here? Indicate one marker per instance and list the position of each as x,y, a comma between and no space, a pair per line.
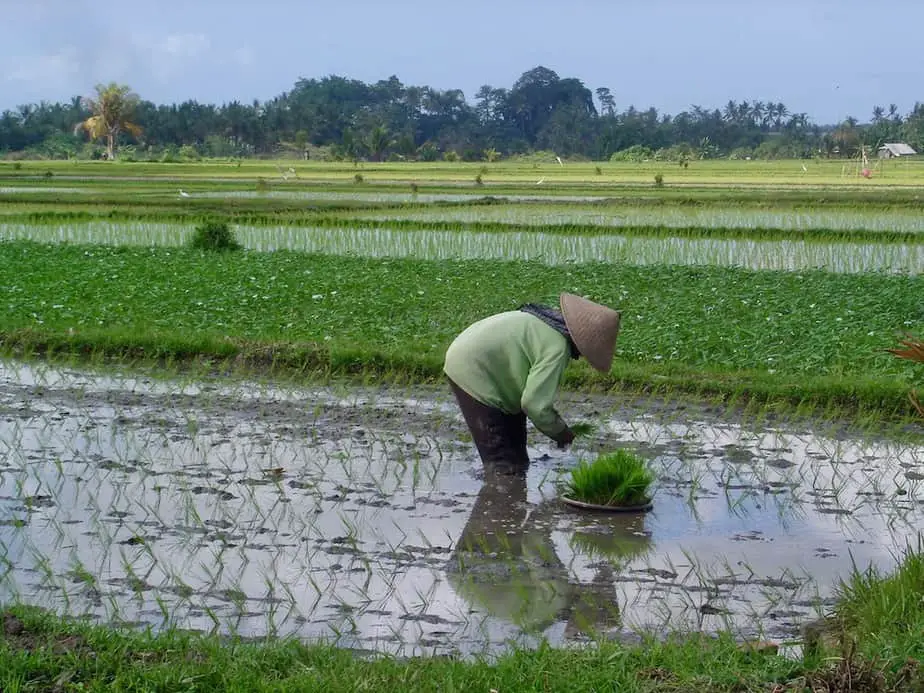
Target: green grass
885,613
618,478
787,337
49,652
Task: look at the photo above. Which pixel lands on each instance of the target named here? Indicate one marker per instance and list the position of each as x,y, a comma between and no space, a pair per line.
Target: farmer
507,368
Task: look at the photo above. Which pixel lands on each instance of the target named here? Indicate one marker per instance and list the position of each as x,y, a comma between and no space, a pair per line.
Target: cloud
55,59
44,70
245,57
185,46
161,57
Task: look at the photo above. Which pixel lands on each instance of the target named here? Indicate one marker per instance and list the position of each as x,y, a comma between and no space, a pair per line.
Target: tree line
344,118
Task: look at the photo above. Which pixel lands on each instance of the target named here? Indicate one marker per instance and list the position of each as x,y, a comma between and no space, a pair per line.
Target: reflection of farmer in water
508,367
505,563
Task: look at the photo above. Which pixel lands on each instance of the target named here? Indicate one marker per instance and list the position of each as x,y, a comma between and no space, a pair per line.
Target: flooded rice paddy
51,189
315,195
409,197
548,248
362,515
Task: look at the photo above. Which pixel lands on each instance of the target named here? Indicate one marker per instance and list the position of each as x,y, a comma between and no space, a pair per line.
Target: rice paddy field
259,443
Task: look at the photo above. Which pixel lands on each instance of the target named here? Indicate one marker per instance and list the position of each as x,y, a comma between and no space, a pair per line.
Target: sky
828,58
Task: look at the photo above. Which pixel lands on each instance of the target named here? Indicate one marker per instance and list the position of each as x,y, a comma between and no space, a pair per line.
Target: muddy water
361,516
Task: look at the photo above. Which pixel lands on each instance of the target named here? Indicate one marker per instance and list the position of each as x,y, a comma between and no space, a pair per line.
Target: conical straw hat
593,328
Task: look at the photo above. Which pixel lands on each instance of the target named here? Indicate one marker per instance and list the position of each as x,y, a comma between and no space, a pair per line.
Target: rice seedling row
668,217
544,248
17,216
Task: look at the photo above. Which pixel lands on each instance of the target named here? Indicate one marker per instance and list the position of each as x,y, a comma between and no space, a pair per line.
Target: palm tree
781,114
379,142
112,107
759,113
731,111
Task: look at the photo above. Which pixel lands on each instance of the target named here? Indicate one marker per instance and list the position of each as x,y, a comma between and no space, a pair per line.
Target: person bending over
508,367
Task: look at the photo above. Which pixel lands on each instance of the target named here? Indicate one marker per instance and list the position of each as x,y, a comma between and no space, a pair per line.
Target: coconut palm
111,107
379,142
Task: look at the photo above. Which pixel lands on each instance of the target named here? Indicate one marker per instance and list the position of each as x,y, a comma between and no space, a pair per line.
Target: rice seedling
583,429
729,174
616,479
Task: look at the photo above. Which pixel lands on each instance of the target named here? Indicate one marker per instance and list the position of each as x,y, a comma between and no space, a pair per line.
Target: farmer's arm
538,398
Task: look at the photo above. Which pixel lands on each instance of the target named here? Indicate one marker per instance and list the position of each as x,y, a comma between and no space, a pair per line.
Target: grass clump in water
619,478
214,235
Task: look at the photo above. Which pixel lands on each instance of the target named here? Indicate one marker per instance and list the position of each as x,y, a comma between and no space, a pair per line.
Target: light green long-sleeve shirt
512,361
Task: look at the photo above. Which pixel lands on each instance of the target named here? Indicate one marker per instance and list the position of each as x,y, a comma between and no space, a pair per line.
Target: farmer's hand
565,439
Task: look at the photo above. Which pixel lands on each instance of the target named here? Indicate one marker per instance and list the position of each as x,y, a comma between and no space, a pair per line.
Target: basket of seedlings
618,481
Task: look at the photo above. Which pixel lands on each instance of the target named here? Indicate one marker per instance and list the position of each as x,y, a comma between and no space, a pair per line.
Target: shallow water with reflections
361,515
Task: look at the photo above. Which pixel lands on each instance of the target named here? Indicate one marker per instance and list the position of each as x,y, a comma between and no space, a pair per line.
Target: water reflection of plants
506,565
618,546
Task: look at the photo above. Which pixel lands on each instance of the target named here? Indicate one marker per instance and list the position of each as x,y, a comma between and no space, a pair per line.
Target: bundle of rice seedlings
619,478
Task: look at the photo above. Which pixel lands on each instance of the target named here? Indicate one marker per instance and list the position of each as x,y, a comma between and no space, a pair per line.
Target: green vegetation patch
788,335
39,652
214,236
884,614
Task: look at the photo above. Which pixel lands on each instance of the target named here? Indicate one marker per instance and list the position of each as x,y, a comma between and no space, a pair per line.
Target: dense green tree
541,110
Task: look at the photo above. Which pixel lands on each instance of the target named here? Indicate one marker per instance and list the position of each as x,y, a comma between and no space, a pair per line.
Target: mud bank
362,516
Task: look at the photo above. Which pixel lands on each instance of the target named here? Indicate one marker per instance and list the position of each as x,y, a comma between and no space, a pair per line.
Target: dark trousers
499,437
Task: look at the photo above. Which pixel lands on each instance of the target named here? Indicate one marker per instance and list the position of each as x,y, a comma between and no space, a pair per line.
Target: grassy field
809,337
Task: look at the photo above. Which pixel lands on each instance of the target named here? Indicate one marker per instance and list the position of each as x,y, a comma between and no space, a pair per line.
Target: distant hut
893,150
